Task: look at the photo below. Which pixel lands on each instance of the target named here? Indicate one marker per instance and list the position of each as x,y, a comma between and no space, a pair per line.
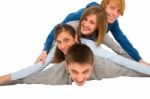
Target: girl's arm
109,42
98,51
29,70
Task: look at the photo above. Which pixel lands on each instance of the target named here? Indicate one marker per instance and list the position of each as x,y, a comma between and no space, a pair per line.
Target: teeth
111,17
84,28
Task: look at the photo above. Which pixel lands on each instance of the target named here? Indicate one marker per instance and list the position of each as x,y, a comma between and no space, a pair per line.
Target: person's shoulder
116,22
92,4
74,24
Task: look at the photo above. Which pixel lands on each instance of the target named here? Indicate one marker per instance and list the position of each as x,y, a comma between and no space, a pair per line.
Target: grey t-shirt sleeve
104,68
55,75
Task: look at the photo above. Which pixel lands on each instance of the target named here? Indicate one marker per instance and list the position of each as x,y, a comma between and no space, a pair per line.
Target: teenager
79,67
114,9
65,38
96,16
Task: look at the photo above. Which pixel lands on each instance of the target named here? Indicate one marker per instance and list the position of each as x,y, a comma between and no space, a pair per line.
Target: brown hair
79,53
120,4
59,55
102,22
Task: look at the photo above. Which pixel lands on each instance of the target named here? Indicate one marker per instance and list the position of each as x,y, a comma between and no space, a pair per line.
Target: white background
25,24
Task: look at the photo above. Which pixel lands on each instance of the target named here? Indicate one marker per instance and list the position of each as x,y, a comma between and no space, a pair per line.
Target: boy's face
79,73
112,11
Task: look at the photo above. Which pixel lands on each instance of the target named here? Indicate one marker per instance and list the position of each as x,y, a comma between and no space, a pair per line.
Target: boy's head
79,60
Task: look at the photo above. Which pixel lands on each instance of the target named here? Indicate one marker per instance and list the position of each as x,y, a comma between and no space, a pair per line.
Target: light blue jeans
34,68
117,59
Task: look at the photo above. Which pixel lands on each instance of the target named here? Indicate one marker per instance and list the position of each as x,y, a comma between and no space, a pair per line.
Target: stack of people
74,46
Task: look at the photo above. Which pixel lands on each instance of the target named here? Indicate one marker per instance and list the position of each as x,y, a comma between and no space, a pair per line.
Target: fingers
43,61
144,62
38,59
42,57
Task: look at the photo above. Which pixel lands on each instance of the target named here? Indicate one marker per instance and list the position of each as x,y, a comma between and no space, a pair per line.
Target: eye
58,42
92,22
74,72
66,40
86,71
113,8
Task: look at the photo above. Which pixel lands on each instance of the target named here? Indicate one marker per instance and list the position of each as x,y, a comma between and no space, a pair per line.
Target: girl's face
89,25
112,12
64,41
79,73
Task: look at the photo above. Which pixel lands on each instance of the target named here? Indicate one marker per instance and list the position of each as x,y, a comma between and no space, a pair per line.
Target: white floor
115,88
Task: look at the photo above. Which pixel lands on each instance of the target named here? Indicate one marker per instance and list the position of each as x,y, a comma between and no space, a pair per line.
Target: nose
80,78
62,47
87,24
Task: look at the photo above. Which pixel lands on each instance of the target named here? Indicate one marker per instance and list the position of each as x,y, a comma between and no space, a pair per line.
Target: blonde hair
102,22
119,3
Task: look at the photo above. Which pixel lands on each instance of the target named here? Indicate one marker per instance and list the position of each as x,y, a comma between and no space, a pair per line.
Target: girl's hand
41,57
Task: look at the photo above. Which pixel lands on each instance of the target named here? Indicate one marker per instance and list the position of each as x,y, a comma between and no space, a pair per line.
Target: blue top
113,28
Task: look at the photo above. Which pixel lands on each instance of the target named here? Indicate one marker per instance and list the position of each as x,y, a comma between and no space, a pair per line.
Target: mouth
80,83
111,18
84,28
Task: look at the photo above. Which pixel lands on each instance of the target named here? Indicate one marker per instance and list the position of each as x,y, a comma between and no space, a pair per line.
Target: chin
85,33
111,21
80,84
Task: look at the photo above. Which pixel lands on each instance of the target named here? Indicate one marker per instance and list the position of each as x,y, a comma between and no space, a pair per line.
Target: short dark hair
79,53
